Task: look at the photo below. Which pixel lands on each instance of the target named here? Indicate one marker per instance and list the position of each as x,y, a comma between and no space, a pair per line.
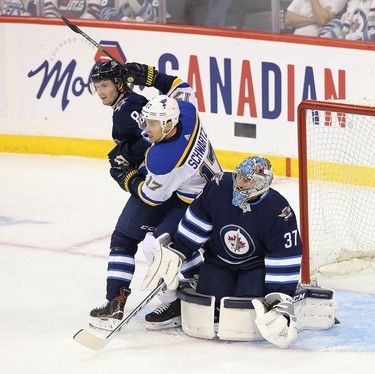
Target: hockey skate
165,316
110,314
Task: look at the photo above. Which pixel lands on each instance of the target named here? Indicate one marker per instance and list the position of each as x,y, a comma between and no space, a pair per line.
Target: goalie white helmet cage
161,108
257,169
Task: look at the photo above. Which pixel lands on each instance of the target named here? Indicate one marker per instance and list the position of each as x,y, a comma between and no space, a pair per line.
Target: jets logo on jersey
237,242
218,177
120,104
359,21
72,8
286,213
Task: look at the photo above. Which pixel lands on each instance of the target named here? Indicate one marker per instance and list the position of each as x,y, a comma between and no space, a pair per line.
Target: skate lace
102,307
162,308
105,305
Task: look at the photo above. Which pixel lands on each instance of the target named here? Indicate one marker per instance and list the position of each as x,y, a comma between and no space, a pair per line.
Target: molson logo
66,79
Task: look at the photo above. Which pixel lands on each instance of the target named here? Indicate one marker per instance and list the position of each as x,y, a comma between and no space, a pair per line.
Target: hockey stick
97,45
92,341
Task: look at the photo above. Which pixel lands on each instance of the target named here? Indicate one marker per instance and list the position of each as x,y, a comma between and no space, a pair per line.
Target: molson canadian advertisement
248,85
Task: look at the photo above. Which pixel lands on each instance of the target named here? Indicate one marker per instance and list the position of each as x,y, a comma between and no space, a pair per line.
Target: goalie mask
251,178
163,109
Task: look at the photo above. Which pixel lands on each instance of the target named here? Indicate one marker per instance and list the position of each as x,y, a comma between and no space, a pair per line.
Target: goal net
336,146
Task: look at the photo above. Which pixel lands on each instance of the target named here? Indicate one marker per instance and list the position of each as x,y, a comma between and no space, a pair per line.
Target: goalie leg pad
315,308
237,316
237,320
197,314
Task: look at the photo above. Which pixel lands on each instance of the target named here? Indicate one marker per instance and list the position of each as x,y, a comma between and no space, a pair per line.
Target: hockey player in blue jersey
180,161
251,241
138,218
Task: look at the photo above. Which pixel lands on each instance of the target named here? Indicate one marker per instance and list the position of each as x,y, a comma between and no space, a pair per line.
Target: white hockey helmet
255,169
161,108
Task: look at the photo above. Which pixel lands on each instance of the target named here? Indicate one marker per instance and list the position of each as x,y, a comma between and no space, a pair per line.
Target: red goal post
336,157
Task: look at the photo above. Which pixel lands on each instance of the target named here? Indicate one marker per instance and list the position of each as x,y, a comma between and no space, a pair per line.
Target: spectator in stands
217,12
130,10
69,9
357,23
308,17
18,8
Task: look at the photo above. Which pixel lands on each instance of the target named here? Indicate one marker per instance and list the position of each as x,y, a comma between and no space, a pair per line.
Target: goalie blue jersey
265,236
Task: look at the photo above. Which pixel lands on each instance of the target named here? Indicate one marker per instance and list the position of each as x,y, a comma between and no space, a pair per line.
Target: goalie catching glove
140,74
165,266
275,319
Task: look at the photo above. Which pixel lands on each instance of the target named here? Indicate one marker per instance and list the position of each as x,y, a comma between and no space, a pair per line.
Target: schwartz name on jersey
265,236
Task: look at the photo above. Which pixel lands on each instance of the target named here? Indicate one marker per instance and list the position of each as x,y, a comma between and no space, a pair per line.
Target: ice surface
56,218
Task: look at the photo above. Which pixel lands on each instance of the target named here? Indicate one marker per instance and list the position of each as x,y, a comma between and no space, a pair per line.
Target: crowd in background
341,19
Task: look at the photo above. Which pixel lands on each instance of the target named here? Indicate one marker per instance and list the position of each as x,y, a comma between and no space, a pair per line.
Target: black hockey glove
140,74
124,176
119,155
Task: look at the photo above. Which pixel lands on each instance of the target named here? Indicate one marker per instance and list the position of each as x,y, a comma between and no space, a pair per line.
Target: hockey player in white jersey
129,10
181,160
18,8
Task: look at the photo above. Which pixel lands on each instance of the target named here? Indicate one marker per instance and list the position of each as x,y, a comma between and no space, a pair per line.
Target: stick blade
89,340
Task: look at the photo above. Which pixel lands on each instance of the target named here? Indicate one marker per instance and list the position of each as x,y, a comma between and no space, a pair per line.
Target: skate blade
171,323
108,324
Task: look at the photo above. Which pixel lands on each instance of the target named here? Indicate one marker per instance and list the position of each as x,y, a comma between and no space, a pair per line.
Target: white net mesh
341,185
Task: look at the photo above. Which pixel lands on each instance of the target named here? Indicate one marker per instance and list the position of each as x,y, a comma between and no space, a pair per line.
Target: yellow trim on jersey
191,142
175,83
184,199
146,157
139,193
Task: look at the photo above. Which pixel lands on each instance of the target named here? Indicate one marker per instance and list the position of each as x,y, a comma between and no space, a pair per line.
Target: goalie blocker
247,319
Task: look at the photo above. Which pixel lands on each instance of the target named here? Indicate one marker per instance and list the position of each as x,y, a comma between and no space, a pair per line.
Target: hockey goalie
248,287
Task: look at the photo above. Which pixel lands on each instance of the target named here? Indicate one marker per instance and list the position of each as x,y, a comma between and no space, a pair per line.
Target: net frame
343,107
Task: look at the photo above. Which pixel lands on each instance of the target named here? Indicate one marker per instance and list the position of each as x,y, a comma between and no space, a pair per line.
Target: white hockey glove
275,319
165,266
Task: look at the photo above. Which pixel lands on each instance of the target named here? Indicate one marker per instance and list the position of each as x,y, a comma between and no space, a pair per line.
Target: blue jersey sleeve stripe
283,261
281,266
285,282
120,258
194,220
192,263
191,236
282,278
